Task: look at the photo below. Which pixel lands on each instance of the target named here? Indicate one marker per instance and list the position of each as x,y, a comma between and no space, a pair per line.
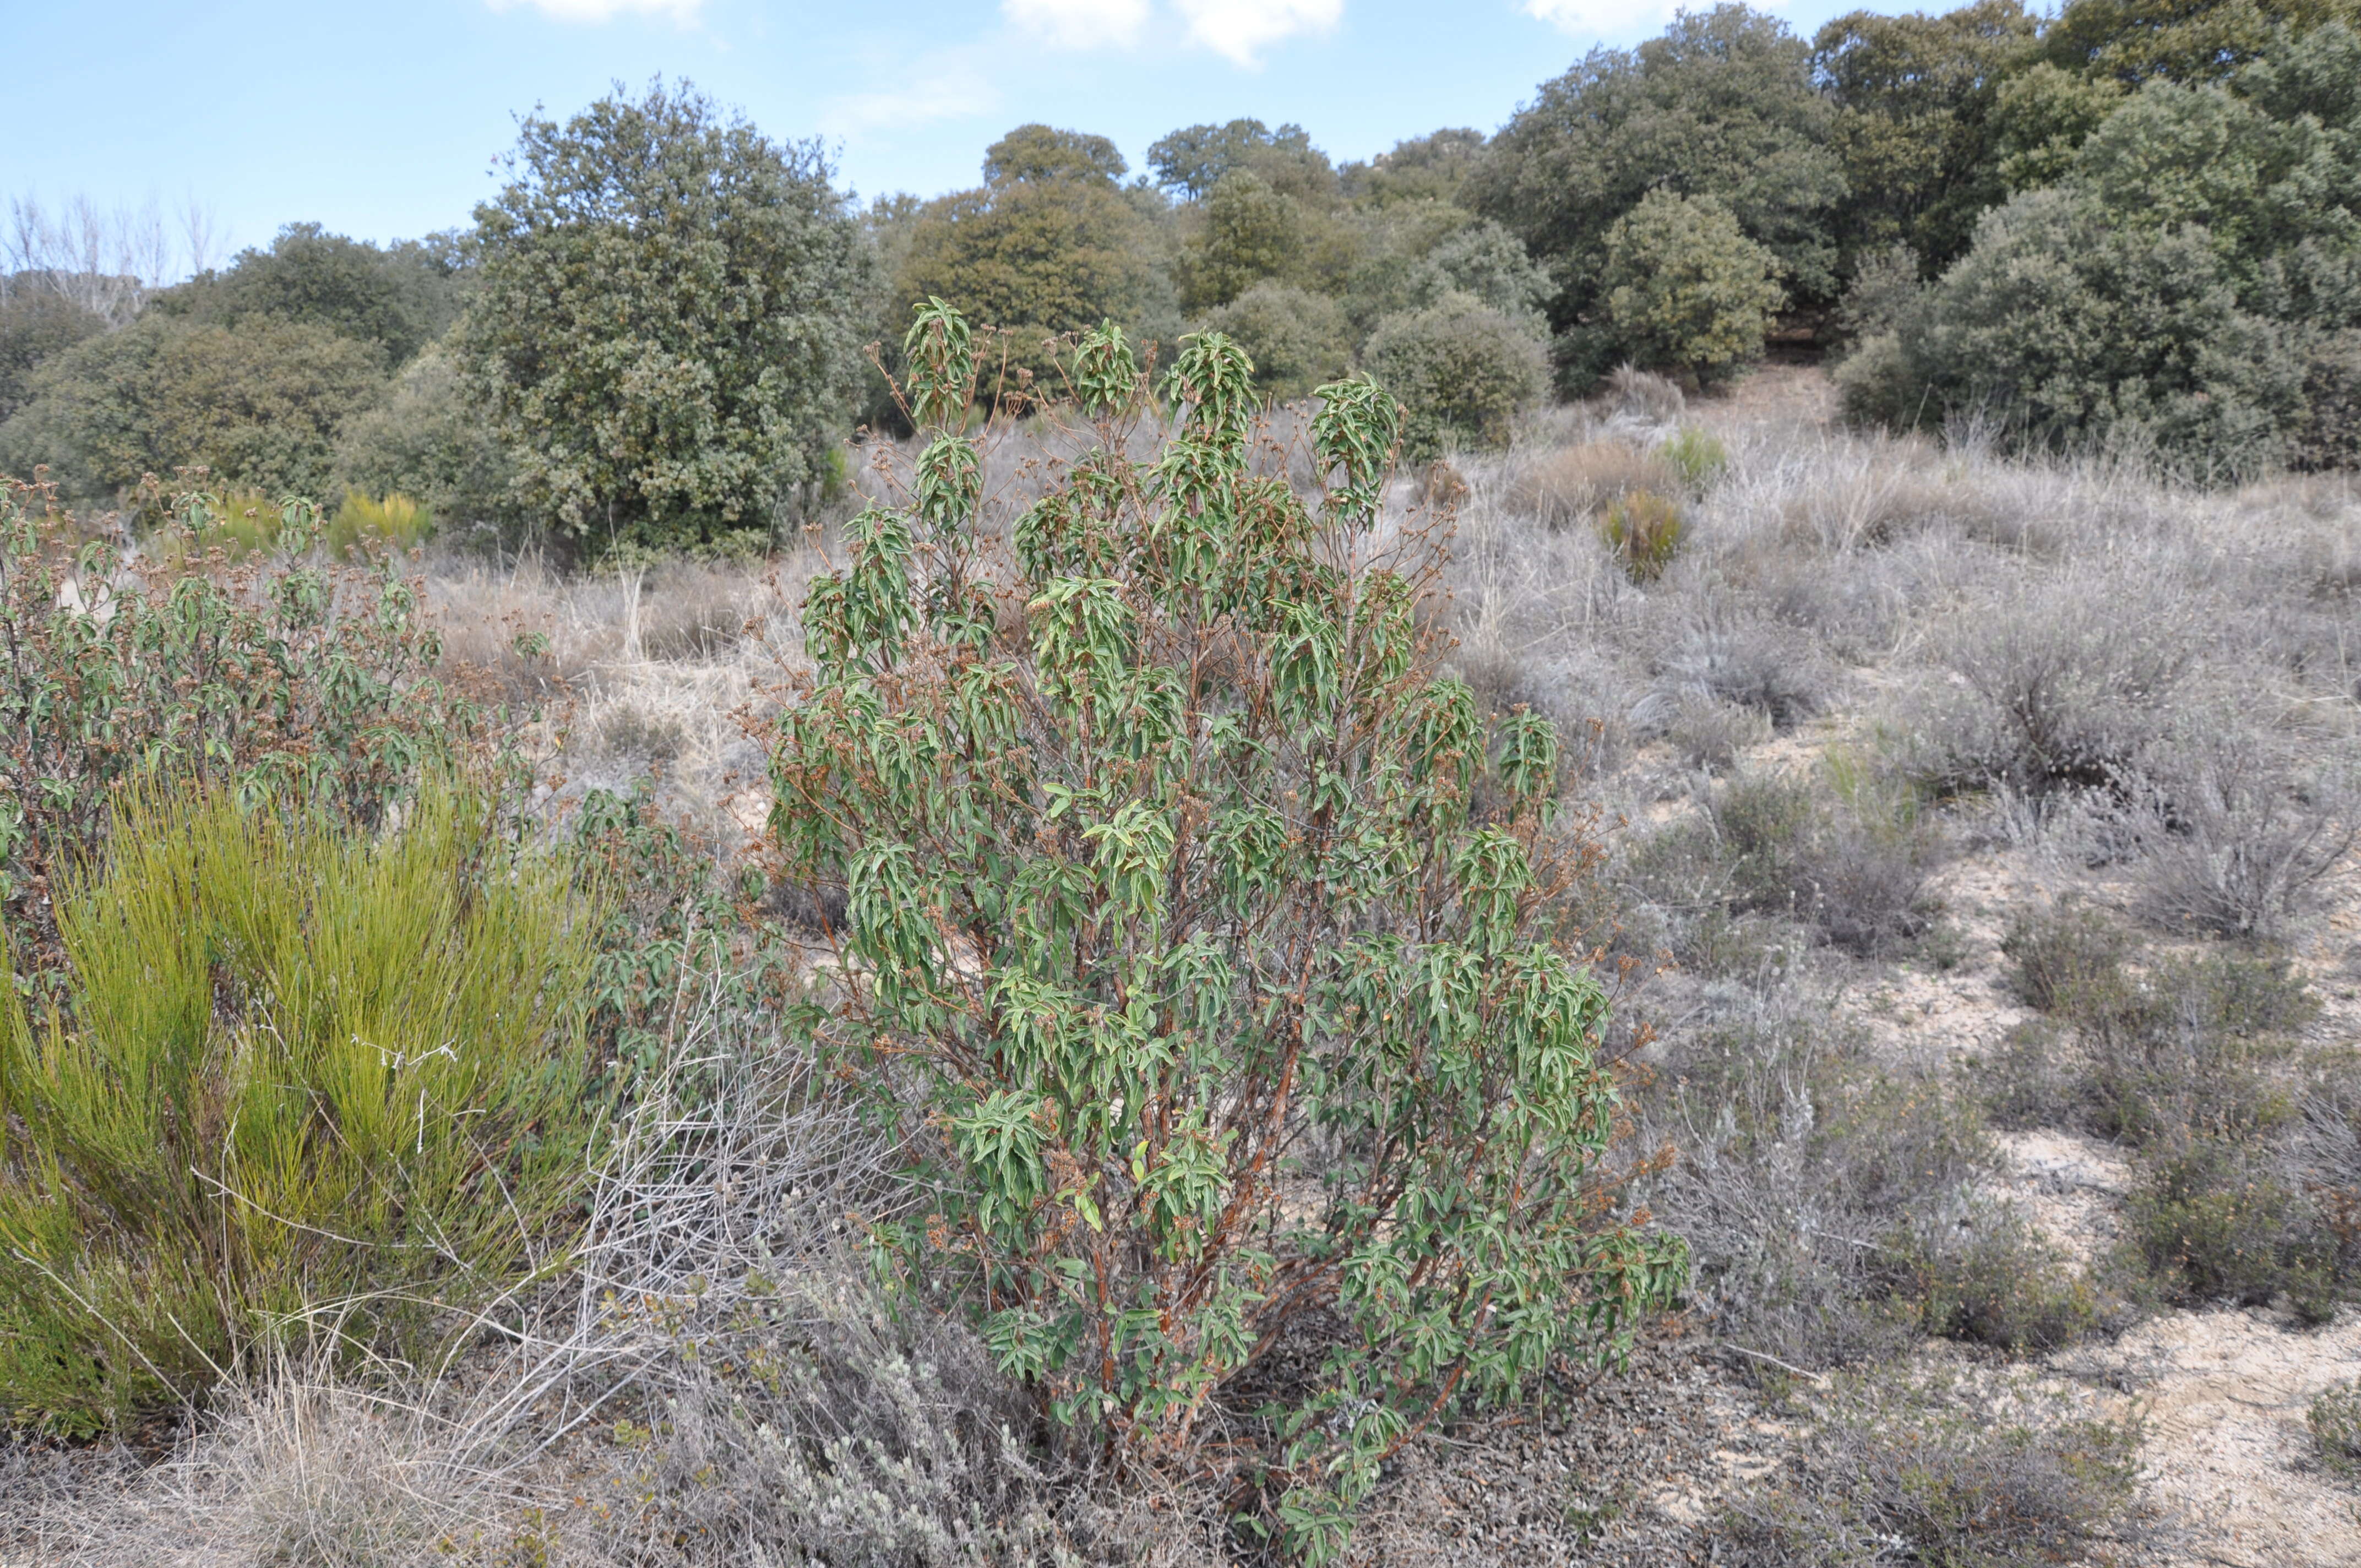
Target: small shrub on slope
2243,1189
1233,1029
2335,1417
1918,1470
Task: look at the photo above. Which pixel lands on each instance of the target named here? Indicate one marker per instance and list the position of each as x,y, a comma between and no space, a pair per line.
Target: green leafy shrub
1990,1279
300,1071
663,330
1297,340
2195,1064
2064,329
1461,372
1684,290
2216,1221
1697,456
2187,1048
1050,244
2068,961
1884,289
2330,434
1231,1029
1643,531
2333,1418
35,324
259,403
425,441
307,682
2161,301
1486,262
676,933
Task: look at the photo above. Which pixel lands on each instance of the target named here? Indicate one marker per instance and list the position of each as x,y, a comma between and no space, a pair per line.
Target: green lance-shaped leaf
1131,851
1306,664
1493,875
940,355
1048,538
1445,745
1528,765
1213,378
828,635
1386,626
1355,432
1196,484
1107,374
876,595
1001,1139
893,914
950,478
1082,636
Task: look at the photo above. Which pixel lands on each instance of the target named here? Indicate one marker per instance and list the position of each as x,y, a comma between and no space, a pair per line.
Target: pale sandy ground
2221,1394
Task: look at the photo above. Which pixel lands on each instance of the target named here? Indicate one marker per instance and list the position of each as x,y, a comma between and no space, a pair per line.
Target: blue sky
384,120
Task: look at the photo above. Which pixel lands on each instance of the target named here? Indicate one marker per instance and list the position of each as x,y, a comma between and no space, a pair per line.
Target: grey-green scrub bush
260,403
1684,290
1461,372
424,441
1221,1025
2181,296
1298,340
664,330
2334,1418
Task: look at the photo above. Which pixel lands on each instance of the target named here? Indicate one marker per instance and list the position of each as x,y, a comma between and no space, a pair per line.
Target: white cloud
1610,18
682,11
946,85
1240,28
1080,24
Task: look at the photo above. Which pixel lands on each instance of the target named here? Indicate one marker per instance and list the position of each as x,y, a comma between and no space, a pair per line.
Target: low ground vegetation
1860,675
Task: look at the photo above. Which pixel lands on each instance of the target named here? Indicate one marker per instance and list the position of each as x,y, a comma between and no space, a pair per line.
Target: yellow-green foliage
244,522
236,522
366,524
1644,530
298,1071
1697,455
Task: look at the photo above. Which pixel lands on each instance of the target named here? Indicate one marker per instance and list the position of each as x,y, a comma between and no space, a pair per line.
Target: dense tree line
2133,226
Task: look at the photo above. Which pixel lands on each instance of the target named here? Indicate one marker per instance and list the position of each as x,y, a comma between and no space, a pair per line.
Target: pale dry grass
668,674
718,1380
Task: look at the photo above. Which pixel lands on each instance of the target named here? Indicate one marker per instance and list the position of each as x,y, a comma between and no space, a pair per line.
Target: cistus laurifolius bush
264,674
1227,1022
306,1081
